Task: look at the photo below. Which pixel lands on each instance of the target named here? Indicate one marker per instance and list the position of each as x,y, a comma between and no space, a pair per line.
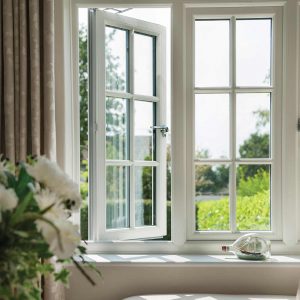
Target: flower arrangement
37,200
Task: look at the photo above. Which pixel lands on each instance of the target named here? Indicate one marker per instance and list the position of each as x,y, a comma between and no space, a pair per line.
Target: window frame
275,90
97,124
67,107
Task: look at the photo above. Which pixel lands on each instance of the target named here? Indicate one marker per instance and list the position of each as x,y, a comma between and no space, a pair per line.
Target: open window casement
127,136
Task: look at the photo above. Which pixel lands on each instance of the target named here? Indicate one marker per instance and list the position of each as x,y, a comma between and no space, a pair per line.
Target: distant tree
211,180
256,146
83,92
147,179
263,118
169,172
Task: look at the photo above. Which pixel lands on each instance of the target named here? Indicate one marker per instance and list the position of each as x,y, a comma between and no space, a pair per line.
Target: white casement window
233,86
127,155
234,105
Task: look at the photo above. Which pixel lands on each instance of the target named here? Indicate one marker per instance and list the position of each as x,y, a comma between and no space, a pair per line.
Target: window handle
163,129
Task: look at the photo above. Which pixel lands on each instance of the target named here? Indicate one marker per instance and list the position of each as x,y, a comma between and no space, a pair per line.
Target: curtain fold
27,104
27,110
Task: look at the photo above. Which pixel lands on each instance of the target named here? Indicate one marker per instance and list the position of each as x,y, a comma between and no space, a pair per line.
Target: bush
252,213
84,221
212,214
250,186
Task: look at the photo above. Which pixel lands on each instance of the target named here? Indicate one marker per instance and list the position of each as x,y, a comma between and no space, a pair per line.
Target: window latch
298,125
163,129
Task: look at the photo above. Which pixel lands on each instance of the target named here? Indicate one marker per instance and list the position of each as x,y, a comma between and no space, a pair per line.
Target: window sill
192,248
189,260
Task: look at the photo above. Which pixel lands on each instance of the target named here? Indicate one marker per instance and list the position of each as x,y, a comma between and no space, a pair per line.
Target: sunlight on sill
185,259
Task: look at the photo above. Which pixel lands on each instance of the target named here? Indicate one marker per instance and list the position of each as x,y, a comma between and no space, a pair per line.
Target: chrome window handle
163,129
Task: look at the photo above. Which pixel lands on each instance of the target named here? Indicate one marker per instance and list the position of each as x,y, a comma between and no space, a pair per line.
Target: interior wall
121,281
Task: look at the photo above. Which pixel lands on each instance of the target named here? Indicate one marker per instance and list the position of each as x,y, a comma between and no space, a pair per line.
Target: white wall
120,281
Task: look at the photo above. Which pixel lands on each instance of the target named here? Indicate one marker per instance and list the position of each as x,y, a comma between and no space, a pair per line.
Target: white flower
49,174
8,199
47,199
64,244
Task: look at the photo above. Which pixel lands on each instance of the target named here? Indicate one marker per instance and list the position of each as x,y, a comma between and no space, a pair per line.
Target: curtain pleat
35,79
8,82
2,137
27,108
16,39
23,80
48,79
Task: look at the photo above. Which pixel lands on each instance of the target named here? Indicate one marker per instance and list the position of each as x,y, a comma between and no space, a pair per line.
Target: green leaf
22,183
21,208
62,276
45,268
11,180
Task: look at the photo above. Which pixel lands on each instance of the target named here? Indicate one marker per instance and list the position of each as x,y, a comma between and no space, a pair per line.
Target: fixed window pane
212,197
117,122
116,58
145,196
117,197
253,112
212,53
144,64
143,133
212,126
253,52
253,208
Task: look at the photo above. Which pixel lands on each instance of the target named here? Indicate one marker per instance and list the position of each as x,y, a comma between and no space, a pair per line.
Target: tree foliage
83,91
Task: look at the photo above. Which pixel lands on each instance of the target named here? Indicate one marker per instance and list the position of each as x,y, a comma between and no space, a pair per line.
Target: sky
253,55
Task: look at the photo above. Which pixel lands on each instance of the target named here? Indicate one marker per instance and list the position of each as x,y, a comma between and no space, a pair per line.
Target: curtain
27,104
27,110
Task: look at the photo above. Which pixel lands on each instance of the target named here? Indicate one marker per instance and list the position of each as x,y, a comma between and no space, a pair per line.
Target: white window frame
97,120
67,107
275,14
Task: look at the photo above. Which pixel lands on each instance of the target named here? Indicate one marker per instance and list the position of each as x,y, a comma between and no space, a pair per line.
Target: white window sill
189,260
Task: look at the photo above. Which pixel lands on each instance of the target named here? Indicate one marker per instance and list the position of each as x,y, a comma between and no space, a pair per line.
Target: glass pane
84,141
212,197
253,125
253,52
117,111
116,59
253,208
144,196
144,64
143,133
117,197
212,53
212,126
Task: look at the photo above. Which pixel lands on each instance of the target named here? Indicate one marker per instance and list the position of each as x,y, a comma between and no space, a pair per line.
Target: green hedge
252,213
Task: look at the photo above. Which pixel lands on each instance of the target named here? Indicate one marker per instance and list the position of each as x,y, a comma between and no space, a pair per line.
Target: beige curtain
27,104
27,110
